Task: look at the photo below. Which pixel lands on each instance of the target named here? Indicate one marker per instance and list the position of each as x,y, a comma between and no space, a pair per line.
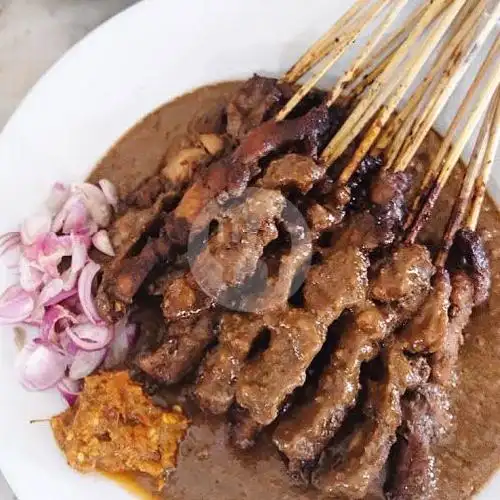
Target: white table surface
33,35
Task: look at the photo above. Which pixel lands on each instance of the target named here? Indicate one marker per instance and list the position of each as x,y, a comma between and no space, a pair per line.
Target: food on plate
307,275
114,427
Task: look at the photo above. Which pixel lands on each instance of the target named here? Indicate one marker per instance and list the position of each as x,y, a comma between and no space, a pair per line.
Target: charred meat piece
230,256
244,430
403,276
265,383
182,349
216,385
254,102
338,283
292,172
387,196
370,444
427,417
321,219
114,427
461,303
468,253
224,179
426,331
305,434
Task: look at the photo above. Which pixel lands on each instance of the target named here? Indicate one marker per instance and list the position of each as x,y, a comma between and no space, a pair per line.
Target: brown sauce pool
208,467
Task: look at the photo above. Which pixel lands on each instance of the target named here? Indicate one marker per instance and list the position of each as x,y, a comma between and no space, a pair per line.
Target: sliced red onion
51,320
124,337
102,242
77,217
52,289
65,294
57,198
30,278
16,305
51,251
110,192
85,291
78,260
35,226
40,367
69,389
85,362
96,203
90,337
8,242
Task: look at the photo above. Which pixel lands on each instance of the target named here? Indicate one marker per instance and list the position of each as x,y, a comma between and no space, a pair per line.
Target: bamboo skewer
384,55
409,120
345,40
457,120
322,47
376,37
482,180
476,164
455,152
385,84
410,71
453,75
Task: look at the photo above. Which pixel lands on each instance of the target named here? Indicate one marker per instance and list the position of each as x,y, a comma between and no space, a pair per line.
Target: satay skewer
322,47
401,130
390,81
432,173
410,71
478,164
345,40
452,76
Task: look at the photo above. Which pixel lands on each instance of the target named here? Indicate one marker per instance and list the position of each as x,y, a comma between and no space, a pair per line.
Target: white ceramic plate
132,64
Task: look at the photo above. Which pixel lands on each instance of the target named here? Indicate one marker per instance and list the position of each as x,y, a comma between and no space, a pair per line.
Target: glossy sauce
208,467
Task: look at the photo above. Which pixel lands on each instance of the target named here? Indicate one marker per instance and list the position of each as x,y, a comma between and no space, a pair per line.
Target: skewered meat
370,443
426,331
468,253
320,219
182,349
115,428
292,172
297,335
403,276
216,387
254,102
461,303
426,415
223,179
230,256
306,433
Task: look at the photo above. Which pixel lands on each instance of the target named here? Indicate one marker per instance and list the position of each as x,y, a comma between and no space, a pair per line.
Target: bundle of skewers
346,158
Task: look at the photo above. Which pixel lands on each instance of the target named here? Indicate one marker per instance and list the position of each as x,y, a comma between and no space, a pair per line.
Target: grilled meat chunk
292,172
182,349
114,427
216,385
321,219
426,331
370,444
264,383
461,303
254,102
304,435
244,430
225,178
427,417
403,276
468,253
230,256
338,283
